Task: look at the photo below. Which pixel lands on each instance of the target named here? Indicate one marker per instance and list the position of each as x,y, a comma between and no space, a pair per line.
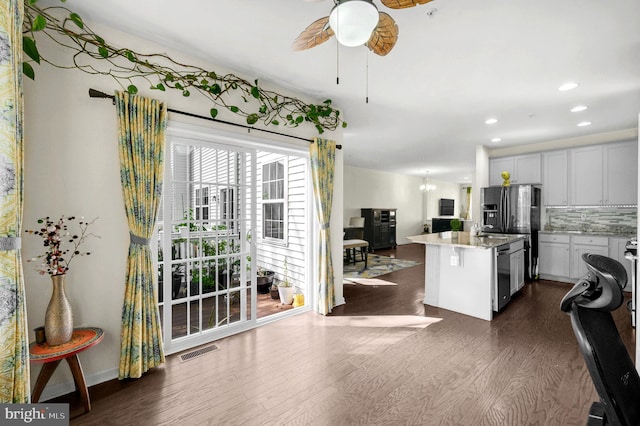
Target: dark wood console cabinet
379,228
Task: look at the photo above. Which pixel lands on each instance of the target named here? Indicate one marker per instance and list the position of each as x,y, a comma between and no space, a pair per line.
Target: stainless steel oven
631,254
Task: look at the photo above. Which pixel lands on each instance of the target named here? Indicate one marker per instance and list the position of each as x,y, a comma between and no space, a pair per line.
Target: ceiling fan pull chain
338,52
337,63
366,78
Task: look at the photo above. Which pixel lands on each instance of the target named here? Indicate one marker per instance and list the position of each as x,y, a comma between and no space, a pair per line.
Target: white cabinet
587,176
560,255
585,244
553,255
517,271
621,173
528,168
497,166
555,174
617,247
604,174
523,169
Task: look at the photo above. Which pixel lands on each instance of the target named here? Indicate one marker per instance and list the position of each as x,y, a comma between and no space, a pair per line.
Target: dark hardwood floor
373,362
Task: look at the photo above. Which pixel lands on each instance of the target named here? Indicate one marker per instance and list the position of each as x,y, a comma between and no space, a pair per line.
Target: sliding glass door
230,213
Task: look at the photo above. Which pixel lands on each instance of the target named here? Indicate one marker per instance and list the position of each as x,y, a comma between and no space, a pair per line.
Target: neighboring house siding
271,254
180,177
219,173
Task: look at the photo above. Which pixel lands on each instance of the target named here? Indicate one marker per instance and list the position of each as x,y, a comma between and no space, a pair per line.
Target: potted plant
285,288
264,280
455,227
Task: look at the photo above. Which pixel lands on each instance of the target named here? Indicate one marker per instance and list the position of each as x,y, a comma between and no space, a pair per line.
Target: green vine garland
124,65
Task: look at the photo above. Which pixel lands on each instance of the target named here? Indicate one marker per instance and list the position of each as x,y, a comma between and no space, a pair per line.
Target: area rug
377,265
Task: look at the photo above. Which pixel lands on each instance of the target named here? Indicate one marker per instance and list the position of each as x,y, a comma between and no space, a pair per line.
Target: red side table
82,339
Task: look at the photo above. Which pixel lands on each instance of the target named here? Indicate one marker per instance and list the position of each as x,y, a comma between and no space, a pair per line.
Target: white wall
365,188
443,190
71,168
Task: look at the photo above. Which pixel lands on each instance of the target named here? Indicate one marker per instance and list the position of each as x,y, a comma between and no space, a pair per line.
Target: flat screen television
446,207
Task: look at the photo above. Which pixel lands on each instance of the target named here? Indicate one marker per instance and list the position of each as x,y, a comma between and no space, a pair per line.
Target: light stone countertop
465,240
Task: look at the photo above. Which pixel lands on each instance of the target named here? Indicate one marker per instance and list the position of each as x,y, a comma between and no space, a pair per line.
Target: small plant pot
286,295
176,285
264,282
273,291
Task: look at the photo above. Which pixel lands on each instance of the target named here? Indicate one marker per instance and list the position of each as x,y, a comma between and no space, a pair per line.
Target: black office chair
589,304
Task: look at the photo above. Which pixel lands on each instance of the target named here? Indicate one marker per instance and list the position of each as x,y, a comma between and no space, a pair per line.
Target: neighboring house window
202,203
228,207
273,200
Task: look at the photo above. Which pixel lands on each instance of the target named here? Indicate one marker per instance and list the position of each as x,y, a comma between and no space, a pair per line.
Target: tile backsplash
610,220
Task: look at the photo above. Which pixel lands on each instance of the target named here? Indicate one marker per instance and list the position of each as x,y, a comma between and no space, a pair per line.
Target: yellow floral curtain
141,132
323,158
14,345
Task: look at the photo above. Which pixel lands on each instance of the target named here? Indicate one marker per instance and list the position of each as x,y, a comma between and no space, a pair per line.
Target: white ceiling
449,71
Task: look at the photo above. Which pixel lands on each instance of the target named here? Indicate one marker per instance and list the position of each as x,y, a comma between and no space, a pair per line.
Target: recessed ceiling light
584,123
568,86
491,121
496,140
578,108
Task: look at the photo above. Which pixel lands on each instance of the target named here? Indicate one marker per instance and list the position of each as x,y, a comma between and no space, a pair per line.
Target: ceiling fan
354,23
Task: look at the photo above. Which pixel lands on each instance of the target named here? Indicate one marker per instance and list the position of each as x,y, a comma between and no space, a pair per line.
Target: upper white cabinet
586,176
621,173
528,168
604,174
593,175
555,178
523,169
497,166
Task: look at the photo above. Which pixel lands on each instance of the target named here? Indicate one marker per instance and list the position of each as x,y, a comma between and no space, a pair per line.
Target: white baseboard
59,389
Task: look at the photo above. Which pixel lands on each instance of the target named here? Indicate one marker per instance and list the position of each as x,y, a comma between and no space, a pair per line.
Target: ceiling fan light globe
353,21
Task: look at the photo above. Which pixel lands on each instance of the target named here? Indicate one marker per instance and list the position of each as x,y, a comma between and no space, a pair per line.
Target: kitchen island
461,274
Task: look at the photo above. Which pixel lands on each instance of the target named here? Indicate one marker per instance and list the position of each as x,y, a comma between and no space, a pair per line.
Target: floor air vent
198,352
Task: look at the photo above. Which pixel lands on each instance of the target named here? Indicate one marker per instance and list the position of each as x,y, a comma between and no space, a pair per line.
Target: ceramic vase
58,320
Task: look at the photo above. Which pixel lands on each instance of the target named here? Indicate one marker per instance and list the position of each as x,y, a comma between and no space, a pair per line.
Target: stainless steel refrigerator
514,209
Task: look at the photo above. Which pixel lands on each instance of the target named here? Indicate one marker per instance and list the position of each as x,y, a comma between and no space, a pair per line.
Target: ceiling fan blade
384,37
316,33
402,4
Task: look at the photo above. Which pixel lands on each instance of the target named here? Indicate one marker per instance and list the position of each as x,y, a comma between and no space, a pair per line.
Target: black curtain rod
98,94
